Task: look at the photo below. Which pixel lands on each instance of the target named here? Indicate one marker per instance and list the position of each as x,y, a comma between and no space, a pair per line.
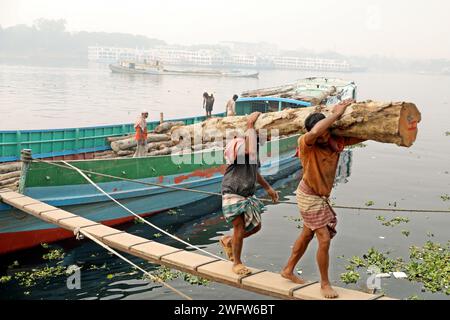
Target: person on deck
208,103
239,205
319,154
231,106
141,134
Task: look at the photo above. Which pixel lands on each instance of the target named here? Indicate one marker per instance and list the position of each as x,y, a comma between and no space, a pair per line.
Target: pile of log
10,175
392,122
387,122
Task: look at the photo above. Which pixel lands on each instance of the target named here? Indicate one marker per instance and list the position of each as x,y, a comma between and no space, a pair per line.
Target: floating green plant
167,274
375,258
138,221
350,277
173,212
5,279
430,265
445,197
369,203
405,233
30,278
157,235
56,254
357,261
395,221
195,279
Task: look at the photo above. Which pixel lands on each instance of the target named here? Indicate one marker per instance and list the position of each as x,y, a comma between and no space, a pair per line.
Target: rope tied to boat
153,184
189,245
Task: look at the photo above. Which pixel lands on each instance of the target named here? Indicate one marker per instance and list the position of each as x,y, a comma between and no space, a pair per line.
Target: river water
34,97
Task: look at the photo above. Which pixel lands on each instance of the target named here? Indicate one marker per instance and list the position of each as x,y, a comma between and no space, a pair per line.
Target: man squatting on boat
240,207
319,153
141,134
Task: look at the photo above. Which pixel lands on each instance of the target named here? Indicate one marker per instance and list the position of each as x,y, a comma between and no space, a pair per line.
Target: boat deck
260,281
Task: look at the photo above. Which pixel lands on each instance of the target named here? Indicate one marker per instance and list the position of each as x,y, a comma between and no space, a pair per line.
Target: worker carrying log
319,153
327,130
240,207
141,134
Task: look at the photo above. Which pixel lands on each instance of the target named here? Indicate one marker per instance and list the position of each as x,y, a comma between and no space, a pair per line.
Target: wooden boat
67,189
157,68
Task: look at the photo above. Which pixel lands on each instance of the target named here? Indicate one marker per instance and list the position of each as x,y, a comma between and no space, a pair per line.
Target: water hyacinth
429,265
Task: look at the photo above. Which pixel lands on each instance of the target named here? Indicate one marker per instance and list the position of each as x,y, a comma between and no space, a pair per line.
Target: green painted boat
65,188
64,143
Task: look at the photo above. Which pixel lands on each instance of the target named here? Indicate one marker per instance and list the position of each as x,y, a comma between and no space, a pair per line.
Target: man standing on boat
231,106
141,135
208,103
319,154
239,204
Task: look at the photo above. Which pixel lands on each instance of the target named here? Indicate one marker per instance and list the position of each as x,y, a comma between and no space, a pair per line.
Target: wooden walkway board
260,281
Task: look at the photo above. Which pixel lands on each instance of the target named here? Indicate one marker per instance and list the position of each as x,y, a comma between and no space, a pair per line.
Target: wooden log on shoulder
392,122
131,142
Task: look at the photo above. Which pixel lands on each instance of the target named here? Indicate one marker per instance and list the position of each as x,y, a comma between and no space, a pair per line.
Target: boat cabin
267,104
303,93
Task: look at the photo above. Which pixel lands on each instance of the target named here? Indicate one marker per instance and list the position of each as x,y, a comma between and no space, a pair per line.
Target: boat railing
49,143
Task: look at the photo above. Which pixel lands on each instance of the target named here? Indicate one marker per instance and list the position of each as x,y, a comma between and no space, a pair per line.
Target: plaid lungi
316,211
234,205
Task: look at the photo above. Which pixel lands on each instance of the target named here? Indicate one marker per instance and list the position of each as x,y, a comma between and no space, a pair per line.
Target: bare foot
241,270
292,277
328,292
227,247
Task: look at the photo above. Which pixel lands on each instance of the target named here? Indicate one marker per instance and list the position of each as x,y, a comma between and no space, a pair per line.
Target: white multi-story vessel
311,64
214,58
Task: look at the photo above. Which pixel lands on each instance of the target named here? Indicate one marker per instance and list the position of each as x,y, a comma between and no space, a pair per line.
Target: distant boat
157,68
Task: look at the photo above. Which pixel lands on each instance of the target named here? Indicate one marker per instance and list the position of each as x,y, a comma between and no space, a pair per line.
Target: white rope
139,217
151,276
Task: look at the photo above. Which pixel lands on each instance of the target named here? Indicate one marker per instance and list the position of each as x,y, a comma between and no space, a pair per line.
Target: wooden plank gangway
260,281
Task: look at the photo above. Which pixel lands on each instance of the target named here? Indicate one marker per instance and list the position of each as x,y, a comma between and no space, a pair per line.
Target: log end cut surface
409,118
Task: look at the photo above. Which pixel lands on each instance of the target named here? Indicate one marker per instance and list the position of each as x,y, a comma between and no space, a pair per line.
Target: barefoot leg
323,236
298,250
328,292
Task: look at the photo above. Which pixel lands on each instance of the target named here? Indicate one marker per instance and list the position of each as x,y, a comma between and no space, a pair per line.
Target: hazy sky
397,28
